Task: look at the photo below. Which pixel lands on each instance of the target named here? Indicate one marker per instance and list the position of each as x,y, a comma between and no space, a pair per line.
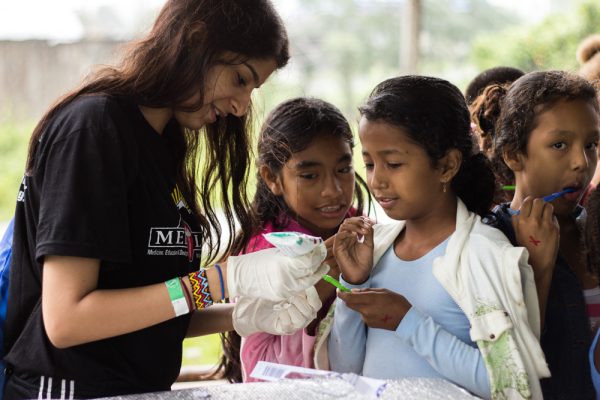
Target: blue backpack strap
5,253
595,372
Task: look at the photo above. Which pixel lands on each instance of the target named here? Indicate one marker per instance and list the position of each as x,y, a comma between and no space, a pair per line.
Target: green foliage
202,350
449,26
342,49
551,44
335,45
14,139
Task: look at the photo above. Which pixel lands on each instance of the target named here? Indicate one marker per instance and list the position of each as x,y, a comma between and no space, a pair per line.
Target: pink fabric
296,349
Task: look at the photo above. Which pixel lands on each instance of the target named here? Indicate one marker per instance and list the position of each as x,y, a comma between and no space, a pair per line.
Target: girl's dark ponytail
475,183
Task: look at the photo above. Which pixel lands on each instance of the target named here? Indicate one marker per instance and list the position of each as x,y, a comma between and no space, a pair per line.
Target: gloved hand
251,315
271,275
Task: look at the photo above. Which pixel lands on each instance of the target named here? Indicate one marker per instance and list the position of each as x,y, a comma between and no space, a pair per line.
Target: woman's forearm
71,319
214,319
76,312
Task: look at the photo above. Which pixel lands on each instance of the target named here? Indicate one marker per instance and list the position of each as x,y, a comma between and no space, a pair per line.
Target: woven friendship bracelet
200,291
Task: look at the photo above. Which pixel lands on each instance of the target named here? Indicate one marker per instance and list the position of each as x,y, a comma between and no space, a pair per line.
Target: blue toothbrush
548,199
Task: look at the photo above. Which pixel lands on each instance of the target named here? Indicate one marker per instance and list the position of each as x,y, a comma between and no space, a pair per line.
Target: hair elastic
218,267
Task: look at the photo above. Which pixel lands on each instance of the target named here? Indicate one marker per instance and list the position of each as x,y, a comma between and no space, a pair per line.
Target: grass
202,351
14,139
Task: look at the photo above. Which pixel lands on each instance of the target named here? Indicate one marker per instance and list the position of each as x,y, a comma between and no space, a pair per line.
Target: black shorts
18,387
21,386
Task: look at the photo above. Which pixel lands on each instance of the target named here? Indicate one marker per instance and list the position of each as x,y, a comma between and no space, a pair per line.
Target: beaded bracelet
200,291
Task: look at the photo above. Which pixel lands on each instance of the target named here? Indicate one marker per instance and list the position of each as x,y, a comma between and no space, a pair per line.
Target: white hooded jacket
493,284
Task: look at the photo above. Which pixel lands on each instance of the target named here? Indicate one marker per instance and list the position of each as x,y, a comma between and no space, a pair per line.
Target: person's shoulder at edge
499,218
491,230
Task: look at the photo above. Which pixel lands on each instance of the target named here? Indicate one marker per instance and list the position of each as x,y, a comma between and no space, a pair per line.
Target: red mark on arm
386,318
533,241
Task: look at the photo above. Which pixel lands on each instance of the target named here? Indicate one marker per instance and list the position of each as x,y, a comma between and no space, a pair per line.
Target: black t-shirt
566,335
103,187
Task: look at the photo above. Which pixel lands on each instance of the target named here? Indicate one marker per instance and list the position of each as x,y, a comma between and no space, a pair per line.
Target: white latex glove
271,275
251,315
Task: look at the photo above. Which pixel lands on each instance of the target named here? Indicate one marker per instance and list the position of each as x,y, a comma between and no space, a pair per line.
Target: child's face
400,174
318,184
561,153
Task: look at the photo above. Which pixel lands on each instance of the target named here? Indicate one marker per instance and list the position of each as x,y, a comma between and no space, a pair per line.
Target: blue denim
5,256
566,336
595,372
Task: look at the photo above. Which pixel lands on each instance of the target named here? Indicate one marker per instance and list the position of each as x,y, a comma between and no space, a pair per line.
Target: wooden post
409,43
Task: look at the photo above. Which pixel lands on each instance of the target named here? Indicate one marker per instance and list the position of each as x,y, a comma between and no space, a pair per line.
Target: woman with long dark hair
117,211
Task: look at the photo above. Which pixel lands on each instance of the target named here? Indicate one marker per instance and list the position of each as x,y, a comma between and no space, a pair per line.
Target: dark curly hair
485,110
496,75
526,98
588,56
435,115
